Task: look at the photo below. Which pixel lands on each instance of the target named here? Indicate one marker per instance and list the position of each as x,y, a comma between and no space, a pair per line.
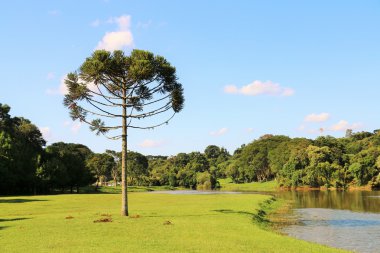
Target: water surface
348,220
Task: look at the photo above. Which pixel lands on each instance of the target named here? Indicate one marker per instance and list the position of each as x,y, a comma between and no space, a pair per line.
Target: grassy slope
200,223
228,185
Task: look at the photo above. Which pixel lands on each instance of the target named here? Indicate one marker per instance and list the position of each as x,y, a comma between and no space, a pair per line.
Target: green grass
228,185
198,223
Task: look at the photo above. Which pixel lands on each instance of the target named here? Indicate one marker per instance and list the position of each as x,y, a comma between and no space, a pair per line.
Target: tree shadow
14,219
180,215
229,211
13,201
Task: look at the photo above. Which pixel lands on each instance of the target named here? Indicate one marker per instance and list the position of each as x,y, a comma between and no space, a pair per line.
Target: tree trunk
115,182
96,186
124,184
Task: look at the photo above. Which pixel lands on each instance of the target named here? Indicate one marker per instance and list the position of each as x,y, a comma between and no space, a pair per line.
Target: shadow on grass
14,219
113,190
233,212
181,215
9,201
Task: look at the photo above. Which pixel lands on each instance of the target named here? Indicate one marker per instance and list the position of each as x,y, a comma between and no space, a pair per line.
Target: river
347,220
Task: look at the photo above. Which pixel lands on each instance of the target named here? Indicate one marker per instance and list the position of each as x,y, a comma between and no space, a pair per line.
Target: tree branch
152,127
143,115
100,109
117,137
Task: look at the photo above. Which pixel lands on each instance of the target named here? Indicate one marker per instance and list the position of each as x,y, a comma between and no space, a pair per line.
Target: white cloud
75,127
260,88
249,130
144,25
343,125
150,144
231,89
53,12
50,76
301,128
304,128
119,39
219,132
95,23
322,117
46,133
63,90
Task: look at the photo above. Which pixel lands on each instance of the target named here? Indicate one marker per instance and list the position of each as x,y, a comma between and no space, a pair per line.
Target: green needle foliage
113,86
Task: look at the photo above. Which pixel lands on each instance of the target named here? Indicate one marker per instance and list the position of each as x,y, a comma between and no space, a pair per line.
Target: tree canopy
113,86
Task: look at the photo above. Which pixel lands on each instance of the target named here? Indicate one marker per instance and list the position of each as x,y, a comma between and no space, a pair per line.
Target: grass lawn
228,185
165,223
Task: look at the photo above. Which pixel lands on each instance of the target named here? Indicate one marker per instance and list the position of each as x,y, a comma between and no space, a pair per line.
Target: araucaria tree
113,91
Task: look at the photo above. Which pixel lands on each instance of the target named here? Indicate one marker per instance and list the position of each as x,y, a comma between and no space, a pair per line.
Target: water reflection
348,220
358,201
349,230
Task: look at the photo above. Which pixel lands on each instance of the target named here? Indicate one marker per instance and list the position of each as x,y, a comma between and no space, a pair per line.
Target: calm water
348,220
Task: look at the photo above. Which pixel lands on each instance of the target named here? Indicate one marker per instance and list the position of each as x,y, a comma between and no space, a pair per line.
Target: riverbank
158,223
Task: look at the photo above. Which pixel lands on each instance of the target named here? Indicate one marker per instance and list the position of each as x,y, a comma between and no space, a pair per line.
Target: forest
28,166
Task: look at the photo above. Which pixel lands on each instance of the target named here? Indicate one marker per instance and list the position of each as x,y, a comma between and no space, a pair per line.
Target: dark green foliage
326,161
145,78
101,166
64,166
21,145
137,168
27,168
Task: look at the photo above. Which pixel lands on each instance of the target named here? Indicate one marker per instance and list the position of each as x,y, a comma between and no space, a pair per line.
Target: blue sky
298,68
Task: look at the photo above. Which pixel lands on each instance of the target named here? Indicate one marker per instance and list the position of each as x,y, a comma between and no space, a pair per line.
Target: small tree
127,88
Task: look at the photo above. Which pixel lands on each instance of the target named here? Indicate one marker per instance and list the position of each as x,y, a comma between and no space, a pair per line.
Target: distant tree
181,160
364,165
137,167
116,170
128,88
198,162
64,165
348,133
212,152
361,135
160,172
101,166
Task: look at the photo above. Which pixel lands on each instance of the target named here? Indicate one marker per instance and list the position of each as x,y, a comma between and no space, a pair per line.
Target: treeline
194,170
27,166
326,161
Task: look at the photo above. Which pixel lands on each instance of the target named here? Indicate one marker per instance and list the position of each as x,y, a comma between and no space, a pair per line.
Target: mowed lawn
227,185
162,223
